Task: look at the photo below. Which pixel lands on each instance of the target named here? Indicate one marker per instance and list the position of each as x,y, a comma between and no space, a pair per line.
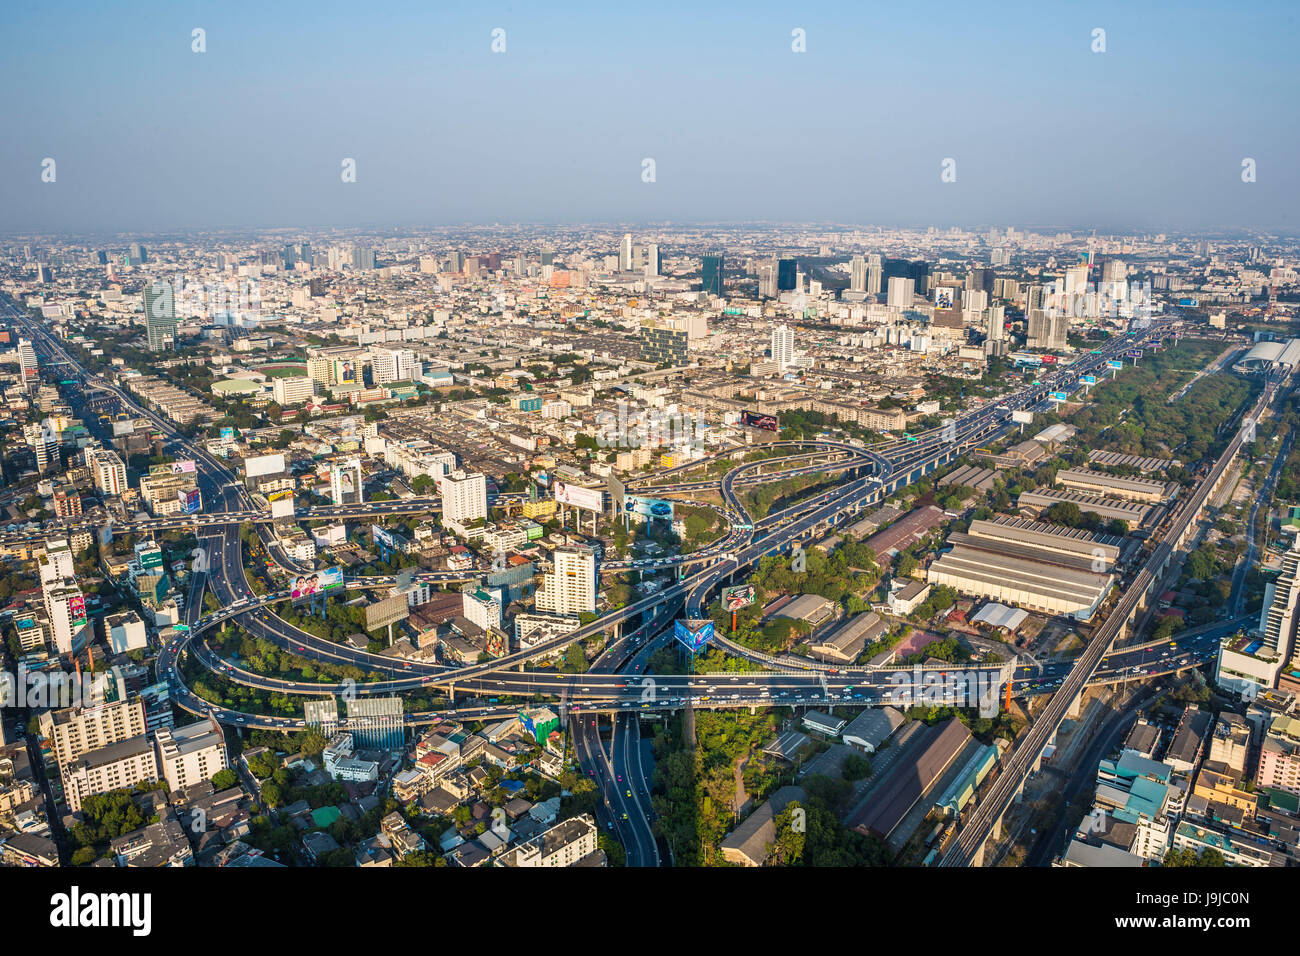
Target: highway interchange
616,686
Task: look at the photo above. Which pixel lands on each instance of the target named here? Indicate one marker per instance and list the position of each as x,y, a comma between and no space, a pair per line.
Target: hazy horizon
150,137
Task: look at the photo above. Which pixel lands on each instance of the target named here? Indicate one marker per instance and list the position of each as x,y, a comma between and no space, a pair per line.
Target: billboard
755,420
282,505
1089,380
345,372
589,499
541,478
495,642
1059,397
227,434
734,598
1022,418
263,465
182,468
693,634
943,297
382,536
1049,359
1115,364
388,611
191,501
305,585
648,507
77,610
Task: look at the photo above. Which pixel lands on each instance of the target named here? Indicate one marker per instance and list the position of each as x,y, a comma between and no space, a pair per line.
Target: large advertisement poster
191,501
590,499
755,420
734,598
305,585
77,609
182,468
656,508
693,634
264,465
943,297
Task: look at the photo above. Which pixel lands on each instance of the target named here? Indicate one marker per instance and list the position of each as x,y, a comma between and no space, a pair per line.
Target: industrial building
1037,566
1135,513
1088,482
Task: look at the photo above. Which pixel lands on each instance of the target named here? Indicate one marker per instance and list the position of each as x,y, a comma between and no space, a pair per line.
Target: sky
149,136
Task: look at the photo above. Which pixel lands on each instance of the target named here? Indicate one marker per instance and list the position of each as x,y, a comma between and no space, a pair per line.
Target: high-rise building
1048,329
464,496
74,731
787,275
160,316
191,754
652,260
109,470
858,274
363,258
874,273
292,389
625,253
44,443
29,366
664,340
783,346
392,365
570,587
901,292
712,272
995,329
767,280
345,482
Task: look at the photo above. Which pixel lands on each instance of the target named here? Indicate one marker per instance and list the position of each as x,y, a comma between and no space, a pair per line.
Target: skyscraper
783,346
625,253
786,275
712,271
160,316
767,280
652,260
28,364
858,275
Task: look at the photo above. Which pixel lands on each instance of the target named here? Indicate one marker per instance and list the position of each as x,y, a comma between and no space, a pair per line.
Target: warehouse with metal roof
1035,566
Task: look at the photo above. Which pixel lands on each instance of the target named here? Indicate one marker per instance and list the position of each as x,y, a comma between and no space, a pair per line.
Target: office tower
101,257
464,496
625,253
455,261
712,271
767,280
1047,330
392,365
548,256
138,253
858,274
109,471
292,389
783,346
160,316
363,258
1033,298
901,293
652,260
786,275
28,364
1114,270
570,587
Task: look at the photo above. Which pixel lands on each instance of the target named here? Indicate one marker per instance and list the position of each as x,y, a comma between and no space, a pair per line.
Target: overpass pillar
977,858
1075,706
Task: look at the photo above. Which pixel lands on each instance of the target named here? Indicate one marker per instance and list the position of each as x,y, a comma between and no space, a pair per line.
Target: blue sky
149,136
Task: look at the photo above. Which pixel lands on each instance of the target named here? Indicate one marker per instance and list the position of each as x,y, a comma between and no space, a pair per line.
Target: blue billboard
305,585
191,501
1089,380
693,634
227,433
656,508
